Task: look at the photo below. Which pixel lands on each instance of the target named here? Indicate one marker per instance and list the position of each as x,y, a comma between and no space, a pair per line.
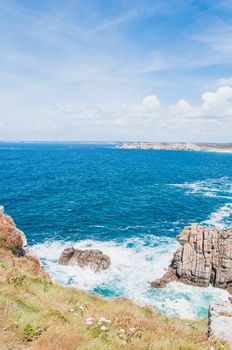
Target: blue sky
116,70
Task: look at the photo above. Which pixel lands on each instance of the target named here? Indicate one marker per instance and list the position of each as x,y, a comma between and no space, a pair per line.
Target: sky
129,70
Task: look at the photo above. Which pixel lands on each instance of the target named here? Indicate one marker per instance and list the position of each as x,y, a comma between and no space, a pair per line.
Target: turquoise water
129,203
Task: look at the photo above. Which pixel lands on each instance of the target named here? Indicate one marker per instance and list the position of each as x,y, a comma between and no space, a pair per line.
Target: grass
37,314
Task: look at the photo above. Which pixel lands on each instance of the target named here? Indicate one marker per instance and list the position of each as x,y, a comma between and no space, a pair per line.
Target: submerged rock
220,321
204,258
93,258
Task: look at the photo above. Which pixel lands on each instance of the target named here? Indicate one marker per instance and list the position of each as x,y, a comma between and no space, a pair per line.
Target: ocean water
129,203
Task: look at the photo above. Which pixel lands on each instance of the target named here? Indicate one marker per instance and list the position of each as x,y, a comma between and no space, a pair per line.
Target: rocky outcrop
220,321
10,236
95,259
204,258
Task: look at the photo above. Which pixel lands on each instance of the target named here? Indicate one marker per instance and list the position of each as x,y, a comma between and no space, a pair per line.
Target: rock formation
10,236
95,259
220,321
204,258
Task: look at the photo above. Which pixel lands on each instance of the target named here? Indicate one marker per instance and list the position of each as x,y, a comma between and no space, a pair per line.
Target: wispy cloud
94,59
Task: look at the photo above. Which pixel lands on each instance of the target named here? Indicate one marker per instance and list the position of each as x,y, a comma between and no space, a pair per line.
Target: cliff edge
204,258
37,314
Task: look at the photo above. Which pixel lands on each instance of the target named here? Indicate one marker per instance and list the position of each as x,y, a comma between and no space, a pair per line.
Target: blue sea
131,204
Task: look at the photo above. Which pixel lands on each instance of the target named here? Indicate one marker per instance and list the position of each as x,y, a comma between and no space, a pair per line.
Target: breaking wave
135,262
220,188
222,217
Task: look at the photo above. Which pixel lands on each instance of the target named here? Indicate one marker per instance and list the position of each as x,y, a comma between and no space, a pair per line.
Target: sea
130,204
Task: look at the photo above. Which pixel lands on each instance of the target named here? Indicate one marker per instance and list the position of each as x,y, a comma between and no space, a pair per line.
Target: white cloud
225,81
149,119
220,97
181,106
150,102
150,113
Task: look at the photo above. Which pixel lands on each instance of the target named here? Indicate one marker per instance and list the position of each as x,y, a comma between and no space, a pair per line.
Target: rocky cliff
37,314
10,236
204,258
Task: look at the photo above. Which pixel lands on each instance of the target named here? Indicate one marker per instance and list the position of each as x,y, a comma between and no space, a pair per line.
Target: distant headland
181,146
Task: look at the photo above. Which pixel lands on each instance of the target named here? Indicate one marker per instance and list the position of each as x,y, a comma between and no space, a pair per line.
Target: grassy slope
40,315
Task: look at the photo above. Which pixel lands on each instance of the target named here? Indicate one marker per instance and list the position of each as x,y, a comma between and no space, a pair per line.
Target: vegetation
40,315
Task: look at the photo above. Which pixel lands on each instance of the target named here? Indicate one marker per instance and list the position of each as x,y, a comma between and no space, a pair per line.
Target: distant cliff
177,146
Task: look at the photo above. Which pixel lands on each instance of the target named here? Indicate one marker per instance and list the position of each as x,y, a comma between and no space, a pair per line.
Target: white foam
220,188
135,262
218,218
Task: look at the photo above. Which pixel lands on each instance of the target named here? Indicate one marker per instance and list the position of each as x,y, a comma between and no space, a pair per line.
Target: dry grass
39,315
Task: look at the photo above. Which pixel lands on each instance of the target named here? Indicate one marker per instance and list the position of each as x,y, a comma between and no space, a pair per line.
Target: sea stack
204,258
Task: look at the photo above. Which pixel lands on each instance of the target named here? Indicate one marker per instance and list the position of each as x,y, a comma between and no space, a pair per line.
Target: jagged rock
95,259
10,236
205,257
220,321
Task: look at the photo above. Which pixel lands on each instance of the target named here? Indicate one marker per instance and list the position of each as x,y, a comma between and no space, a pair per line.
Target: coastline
34,317
190,147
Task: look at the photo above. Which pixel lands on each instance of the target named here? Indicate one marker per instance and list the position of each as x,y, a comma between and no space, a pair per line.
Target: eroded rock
93,258
204,258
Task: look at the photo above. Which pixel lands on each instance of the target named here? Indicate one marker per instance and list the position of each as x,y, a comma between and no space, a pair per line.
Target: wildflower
103,328
104,320
132,329
122,333
81,308
89,321
71,310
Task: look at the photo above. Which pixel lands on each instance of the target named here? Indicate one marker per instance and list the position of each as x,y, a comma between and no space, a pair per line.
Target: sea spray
134,264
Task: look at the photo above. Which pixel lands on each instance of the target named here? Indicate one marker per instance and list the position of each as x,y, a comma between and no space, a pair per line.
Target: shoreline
36,320
190,147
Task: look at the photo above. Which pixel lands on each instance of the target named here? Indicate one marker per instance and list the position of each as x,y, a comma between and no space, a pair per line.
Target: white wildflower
122,331
103,328
71,310
90,319
104,320
81,308
132,329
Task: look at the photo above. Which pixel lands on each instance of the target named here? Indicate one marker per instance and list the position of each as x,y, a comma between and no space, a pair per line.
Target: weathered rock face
10,236
205,257
220,321
95,259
